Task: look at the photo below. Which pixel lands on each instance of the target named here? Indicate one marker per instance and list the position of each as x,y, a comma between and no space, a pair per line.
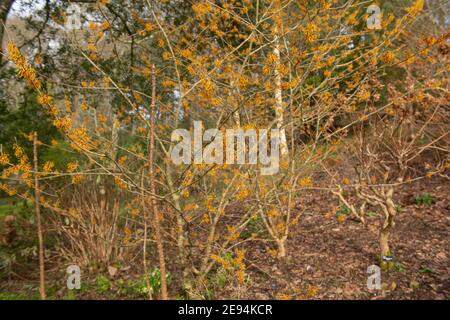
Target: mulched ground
329,260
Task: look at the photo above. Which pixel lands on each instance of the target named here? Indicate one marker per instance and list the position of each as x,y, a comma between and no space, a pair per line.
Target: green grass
425,269
6,207
424,199
11,296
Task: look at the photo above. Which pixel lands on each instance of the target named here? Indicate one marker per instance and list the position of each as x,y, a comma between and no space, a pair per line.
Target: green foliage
343,210
11,296
28,117
425,269
424,199
61,154
399,267
216,282
155,279
371,214
6,209
23,247
71,295
139,287
6,260
219,279
254,226
18,208
102,284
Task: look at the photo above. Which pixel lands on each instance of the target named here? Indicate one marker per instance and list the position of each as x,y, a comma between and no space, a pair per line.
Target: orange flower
49,166
24,71
71,167
4,159
44,99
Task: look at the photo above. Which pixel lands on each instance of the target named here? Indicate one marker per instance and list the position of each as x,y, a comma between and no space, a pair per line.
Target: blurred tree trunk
156,214
5,7
38,220
279,108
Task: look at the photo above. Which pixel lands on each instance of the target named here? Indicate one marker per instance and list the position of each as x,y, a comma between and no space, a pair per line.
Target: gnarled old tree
392,148
395,140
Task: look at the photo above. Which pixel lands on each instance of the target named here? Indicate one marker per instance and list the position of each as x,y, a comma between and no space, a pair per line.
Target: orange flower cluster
4,159
25,70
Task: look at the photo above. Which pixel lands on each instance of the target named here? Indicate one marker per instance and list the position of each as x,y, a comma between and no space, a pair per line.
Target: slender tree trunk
385,251
181,224
281,243
114,136
38,220
236,116
279,108
384,242
144,249
390,212
5,7
156,217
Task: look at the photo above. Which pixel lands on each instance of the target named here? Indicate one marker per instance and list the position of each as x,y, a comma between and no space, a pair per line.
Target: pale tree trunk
236,116
385,251
384,242
114,136
281,243
156,218
237,119
181,224
390,212
38,220
279,108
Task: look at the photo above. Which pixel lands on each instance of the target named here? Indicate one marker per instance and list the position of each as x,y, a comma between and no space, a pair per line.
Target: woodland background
86,116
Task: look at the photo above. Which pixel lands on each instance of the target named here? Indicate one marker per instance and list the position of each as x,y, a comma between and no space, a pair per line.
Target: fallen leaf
112,271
